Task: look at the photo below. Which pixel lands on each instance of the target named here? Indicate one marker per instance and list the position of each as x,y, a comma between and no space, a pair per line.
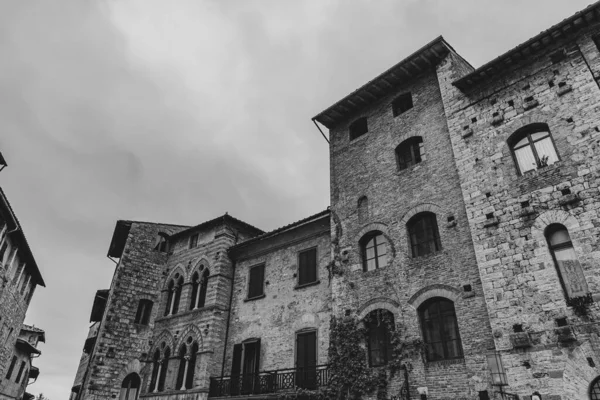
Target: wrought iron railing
270,381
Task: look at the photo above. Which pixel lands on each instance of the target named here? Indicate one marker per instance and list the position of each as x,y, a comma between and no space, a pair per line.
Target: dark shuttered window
307,266
424,235
11,368
256,284
306,360
144,310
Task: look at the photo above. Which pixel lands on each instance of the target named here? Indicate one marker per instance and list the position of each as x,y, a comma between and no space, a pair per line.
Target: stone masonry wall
286,308
367,166
519,276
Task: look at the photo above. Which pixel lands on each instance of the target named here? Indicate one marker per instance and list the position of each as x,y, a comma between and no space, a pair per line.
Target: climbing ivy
350,376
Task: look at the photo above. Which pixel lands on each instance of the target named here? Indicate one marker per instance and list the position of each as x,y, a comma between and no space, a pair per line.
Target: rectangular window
245,365
307,266
20,373
144,310
402,104
256,284
12,366
306,360
193,241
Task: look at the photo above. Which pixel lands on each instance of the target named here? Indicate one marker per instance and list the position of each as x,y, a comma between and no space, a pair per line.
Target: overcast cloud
178,111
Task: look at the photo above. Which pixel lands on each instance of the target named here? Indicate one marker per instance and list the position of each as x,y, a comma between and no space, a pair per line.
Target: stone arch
307,321
552,217
376,226
178,269
133,366
435,290
164,336
424,207
190,331
383,303
202,260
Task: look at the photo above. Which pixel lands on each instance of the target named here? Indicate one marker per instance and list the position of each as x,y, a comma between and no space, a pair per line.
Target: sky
179,111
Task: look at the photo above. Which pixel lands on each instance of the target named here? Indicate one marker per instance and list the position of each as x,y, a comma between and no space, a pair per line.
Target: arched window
199,286
130,387
177,295
409,152
189,378
423,234
181,371
380,324
358,128
532,147
163,370
568,267
363,209
155,368
440,329
170,295
374,250
595,389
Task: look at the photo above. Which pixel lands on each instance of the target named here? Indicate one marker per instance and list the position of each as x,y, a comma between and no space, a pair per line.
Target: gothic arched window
155,368
170,294
189,378
595,389
374,250
569,270
532,147
130,387
423,234
380,324
199,286
440,329
163,370
177,294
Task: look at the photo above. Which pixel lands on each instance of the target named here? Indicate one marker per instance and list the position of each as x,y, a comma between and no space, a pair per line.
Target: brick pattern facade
491,261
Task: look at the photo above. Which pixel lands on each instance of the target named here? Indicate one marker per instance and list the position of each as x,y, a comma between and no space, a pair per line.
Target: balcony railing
270,381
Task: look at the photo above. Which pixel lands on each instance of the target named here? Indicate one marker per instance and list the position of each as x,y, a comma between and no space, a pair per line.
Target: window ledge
444,363
307,284
435,253
410,169
542,170
358,139
179,314
255,297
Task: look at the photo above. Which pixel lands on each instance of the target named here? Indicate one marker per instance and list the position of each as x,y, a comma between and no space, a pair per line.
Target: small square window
358,128
194,241
307,266
257,280
402,104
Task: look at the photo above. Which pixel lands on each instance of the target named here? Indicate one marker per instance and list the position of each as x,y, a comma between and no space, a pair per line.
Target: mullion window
374,251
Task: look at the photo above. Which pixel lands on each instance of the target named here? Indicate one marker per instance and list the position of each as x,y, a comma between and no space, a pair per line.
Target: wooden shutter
236,362
257,276
307,268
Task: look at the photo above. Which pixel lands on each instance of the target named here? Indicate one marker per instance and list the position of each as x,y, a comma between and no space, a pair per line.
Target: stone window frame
370,227
420,208
258,296
144,312
433,227
409,146
316,280
527,130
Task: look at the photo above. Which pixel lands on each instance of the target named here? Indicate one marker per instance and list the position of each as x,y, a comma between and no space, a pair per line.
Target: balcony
267,382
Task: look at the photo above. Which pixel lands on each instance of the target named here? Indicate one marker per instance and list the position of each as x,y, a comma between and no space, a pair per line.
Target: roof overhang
17,234
225,219
119,238
99,305
40,332
424,59
542,40
27,347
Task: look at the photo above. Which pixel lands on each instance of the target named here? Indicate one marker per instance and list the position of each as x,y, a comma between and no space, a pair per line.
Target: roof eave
535,44
415,64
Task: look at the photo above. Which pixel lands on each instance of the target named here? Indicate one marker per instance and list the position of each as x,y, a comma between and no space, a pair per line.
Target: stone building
464,224
20,276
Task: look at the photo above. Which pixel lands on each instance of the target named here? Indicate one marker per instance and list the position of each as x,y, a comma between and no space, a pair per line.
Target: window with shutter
307,266
306,360
256,284
144,310
12,366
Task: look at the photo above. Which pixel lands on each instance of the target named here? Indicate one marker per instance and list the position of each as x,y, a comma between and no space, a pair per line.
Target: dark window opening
517,328
409,152
130,387
525,204
467,288
358,128
194,241
143,313
161,244
474,119
374,250
451,218
423,234
170,293
489,215
155,367
177,295
565,191
181,371
402,104
163,370
526,87
511,103
306,360
20,373
591,362
562,84
307,266
570,120
440,330
256,281
532,147
488,194
245,364
199,288
528,99
11,367
493,101
189,379
379,325
561,322
551,83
